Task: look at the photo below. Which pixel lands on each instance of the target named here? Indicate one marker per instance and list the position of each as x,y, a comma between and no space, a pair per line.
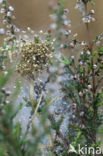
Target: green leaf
91,2
20,106
5,78
65,60
17,130
71,86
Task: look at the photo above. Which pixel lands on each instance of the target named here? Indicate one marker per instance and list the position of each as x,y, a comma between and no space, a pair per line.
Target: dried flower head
35,56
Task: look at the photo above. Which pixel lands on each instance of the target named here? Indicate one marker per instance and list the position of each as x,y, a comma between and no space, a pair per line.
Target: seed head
35,56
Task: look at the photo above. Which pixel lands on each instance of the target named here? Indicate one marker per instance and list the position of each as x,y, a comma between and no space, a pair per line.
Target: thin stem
93,73
35,112
91,50
32,93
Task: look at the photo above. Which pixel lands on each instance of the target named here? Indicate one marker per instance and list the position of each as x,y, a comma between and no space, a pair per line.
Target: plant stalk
90,44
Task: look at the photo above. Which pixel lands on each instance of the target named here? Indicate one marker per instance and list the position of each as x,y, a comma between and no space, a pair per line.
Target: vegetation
81,91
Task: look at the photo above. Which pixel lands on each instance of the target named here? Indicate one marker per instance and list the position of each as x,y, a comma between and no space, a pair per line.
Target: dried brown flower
35,56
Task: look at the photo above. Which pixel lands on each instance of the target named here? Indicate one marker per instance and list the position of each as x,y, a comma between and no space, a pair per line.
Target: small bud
67,22
80,94
92,11
74,105
2,11
86,20
74,116
5,72
83,43
11,8
3,90
3,67
8,93
71,77
9,14
88,52
5,22
28,28
67,32
94,66
82,53
71,45
72,57
80,62
89,86
53,26
66,11
82,126
14,87
81,113
2,31
7,102
98,43
41,31
93,19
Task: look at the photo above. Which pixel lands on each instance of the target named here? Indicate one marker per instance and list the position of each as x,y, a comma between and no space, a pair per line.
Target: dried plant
35,56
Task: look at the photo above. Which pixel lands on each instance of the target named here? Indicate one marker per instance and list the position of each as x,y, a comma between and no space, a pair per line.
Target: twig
31,93
37,107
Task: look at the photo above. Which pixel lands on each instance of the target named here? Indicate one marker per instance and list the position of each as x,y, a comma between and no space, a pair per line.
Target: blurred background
35,14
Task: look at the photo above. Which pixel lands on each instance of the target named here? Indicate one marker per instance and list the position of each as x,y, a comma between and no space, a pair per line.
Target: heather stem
93,73
32,93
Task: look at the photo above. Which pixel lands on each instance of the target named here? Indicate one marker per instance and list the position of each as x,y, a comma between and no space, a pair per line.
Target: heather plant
9,30
12,140
83,85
